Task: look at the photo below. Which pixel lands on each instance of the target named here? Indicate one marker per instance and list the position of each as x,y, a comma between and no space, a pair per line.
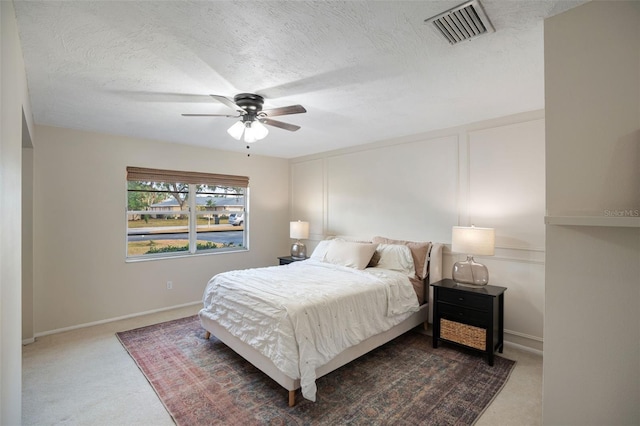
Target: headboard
435,274
435,262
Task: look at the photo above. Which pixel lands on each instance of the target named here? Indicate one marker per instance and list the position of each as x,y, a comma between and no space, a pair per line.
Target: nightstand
472,317
285,260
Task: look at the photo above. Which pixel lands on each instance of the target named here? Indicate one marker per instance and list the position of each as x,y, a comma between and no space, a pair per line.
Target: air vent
462,22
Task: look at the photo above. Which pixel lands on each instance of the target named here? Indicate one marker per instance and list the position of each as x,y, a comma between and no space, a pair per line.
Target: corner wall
416,188
592,317
27,238
80,273
14,101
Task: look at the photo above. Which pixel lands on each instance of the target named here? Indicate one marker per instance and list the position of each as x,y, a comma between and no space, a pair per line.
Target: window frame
137,174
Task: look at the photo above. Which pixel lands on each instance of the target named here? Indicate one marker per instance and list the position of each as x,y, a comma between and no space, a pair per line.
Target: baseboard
525,342
523,348
90,324
513,339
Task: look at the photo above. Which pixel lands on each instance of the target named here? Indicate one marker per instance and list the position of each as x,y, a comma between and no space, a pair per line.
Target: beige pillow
320,251
346,253
419,251
397,257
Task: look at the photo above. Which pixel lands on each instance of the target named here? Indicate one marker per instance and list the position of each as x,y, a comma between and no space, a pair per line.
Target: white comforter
304,314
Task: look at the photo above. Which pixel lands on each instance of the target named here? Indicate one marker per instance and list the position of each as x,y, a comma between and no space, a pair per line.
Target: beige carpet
85,377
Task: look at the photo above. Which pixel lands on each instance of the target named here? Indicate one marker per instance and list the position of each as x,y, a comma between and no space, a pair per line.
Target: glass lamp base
470,273
298,251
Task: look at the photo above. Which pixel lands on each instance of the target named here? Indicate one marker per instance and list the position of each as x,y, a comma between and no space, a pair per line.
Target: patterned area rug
405,382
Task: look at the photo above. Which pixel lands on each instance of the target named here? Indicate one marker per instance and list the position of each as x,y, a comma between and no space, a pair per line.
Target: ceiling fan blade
291,109
228,102
211,115
280,124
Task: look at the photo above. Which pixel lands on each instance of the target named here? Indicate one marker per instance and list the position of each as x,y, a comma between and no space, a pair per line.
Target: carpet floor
405,381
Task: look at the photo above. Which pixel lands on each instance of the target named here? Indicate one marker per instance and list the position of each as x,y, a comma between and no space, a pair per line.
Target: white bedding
302,315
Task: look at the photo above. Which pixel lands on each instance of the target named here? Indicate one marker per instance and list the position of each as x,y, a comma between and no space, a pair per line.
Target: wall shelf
624,222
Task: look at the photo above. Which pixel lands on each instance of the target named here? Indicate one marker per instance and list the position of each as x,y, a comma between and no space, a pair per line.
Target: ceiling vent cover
462,22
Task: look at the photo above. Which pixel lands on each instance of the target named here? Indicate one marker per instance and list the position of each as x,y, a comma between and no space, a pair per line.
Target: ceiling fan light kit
253,131
253,117
236,130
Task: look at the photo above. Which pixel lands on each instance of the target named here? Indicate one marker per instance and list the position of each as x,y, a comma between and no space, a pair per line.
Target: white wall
80,273
27,242
592,318
417,188
13,101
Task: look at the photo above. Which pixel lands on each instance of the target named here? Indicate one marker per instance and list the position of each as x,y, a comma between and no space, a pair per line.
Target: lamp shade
259,130
249,134
252,130
236,130
473,241
299,230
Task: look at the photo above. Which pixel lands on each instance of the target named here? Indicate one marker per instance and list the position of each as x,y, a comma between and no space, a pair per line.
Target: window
174,213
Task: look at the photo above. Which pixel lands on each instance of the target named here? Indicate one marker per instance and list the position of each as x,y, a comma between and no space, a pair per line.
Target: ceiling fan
249,108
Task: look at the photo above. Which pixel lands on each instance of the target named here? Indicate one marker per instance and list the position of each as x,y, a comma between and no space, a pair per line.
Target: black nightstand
285,260
470,317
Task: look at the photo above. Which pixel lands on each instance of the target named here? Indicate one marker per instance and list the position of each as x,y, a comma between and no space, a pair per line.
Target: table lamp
299,230
472,241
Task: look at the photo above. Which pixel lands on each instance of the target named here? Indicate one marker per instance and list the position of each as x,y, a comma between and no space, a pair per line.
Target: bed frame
268,367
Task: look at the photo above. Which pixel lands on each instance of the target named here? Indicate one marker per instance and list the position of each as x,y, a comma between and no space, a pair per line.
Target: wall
27,238
80,273
592,318
417,188
14,101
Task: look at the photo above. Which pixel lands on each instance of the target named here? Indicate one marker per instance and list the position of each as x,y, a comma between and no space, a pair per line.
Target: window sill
182,256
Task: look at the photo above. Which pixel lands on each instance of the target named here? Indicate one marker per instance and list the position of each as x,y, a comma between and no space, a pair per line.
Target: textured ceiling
364,70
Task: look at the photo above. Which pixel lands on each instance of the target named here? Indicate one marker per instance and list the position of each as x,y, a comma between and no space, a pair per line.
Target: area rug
404,382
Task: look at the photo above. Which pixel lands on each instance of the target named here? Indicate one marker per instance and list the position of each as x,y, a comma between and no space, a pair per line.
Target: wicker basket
464,334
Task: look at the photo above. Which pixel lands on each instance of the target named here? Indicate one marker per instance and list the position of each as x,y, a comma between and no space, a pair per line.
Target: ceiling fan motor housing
249,101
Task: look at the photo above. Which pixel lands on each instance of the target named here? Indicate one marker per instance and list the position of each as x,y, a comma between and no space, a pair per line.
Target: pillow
320,251
374,259
396,257
346,253
419,251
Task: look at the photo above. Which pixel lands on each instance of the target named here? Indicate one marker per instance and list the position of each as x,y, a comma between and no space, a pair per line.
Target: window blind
212,179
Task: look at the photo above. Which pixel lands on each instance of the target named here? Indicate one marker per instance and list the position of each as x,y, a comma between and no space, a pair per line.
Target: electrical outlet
169,285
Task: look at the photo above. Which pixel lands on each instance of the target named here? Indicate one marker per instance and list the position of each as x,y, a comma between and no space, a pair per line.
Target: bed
301,321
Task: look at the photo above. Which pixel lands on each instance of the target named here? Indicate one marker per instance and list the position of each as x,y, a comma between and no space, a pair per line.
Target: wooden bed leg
207,335
292,398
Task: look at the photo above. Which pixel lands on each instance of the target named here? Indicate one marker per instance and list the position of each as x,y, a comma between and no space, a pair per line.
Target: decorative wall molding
518,260
422,185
